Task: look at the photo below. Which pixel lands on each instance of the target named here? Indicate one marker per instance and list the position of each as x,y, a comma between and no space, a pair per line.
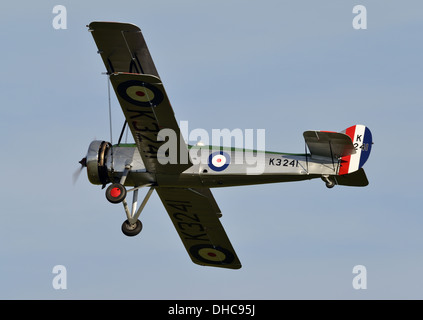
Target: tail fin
362,139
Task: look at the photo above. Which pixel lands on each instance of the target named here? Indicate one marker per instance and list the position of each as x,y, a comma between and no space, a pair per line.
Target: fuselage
212,167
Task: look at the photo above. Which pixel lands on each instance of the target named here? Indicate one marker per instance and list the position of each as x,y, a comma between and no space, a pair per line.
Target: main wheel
131,230
115,193
330,184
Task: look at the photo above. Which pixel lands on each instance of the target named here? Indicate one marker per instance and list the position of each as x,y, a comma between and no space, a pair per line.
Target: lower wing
195,215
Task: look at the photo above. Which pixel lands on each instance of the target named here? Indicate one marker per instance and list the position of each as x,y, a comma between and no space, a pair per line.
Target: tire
115,193
131,230
330,184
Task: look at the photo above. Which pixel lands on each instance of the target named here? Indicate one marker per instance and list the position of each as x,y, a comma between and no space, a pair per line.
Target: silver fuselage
246,167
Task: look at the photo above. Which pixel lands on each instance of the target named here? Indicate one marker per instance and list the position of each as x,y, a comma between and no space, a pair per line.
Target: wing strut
123,130
306,155
110,123
134,59
332,155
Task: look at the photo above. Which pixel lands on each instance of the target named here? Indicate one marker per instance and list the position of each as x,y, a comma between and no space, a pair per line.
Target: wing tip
234,266
112,25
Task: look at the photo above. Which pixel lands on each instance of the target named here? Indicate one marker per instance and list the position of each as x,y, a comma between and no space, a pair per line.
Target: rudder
362,139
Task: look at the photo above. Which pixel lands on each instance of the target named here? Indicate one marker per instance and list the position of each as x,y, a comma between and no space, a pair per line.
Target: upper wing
141,95
122,48
195,215
329,144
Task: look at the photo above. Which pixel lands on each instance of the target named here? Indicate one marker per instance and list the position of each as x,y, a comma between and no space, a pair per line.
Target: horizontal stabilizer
355,179
326,144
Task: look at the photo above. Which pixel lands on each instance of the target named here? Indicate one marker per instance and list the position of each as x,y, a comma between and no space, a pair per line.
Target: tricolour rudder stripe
366,147
361,138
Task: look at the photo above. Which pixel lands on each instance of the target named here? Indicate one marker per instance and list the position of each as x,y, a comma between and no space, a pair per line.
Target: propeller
77,173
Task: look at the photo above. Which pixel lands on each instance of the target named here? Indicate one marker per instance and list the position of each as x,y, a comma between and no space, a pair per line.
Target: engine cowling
96,162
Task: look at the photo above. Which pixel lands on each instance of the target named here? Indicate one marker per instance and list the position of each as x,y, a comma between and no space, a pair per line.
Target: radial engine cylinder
97,154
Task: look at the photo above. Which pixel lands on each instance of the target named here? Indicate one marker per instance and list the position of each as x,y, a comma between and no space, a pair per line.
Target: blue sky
282,66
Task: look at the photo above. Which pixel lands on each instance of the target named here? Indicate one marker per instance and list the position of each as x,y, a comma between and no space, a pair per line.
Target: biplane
182,182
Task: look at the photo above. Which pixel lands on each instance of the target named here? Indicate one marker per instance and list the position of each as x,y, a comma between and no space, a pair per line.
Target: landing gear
116,193
330,182
132,226
131,230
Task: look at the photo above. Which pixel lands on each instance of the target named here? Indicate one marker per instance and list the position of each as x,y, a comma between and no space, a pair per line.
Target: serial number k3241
283,162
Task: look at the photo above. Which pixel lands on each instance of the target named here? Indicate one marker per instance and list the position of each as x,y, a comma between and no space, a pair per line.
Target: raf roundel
211,255
219,161
140,93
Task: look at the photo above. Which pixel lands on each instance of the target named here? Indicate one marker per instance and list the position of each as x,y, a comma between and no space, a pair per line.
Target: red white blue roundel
140,93
219,161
